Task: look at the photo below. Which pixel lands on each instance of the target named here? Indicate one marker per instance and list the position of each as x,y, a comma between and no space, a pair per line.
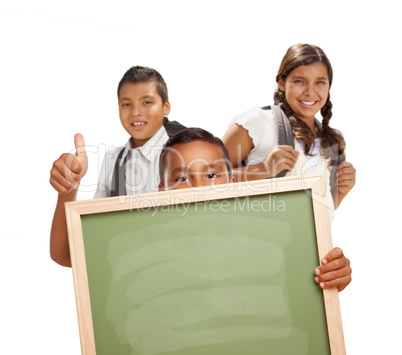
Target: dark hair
140,74
306,54
189,135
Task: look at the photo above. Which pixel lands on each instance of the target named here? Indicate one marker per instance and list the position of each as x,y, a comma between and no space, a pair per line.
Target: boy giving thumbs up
69,169
65,177
143,107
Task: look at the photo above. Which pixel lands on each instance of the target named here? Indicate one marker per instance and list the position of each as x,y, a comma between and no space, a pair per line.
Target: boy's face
141,111
195,164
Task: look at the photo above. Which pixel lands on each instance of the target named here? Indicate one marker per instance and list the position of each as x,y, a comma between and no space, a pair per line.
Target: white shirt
261,128
142,166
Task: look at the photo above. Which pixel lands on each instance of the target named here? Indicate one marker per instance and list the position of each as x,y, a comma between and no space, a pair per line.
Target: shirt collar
156,141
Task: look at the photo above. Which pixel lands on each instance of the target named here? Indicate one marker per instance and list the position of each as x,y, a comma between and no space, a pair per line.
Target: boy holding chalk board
194,157
143,107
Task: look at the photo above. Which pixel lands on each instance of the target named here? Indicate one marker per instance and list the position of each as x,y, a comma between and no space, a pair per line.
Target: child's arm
334,270
239,144
65,176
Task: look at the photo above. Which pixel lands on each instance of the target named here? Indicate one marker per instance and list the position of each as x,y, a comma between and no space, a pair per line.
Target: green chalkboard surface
230,276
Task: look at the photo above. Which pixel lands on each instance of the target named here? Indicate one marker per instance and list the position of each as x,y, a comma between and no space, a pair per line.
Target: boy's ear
166,108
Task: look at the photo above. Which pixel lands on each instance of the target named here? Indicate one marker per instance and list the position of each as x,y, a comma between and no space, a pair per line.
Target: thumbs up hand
69,169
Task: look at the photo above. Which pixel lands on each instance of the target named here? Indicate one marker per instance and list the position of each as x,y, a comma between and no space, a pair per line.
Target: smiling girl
304,79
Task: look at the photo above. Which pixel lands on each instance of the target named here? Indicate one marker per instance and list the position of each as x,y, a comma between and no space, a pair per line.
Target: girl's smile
308,104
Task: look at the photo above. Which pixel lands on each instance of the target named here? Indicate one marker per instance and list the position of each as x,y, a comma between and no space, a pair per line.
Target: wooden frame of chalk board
137,207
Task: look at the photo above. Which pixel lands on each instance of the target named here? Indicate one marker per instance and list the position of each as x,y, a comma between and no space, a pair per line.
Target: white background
60,66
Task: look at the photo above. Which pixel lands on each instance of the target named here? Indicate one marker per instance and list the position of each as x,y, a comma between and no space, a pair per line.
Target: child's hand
346,178
282,157
334,271
69,169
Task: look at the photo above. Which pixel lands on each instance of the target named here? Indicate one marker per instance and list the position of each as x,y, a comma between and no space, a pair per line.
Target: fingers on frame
335,274
340,283
333,266
335,253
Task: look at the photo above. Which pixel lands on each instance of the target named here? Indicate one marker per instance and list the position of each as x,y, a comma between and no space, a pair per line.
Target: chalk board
203,271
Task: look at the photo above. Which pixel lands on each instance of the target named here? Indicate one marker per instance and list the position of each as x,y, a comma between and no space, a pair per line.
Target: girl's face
306,89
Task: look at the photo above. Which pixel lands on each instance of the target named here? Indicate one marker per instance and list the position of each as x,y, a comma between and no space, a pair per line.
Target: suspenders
284,131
